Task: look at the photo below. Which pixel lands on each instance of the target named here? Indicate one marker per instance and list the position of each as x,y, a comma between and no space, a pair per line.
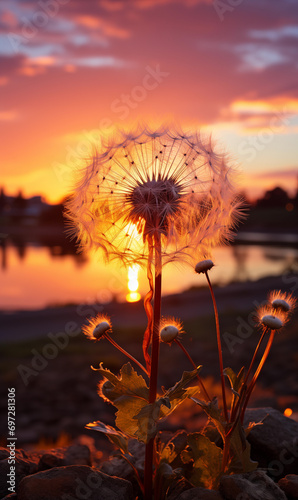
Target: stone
274,444
254,485
22,467
72,482
198,494
50,460
289,485
78,454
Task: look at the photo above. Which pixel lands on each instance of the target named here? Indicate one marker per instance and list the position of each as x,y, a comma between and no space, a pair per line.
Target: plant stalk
257,373
107,336
243,388
219,348
149,452
194,365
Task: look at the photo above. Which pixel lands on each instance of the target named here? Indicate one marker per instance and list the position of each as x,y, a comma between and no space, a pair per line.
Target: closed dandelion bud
169,333
101,329
282,301
97,327
203,266
170,328
272,322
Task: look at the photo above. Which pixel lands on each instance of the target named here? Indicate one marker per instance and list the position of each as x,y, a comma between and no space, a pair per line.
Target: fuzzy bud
281,304
169,333
203,266
101,329
272,322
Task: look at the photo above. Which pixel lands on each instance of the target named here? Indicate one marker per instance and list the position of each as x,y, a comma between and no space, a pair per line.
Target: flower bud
101,329
281,304
272,322
97,327
203,266
169,333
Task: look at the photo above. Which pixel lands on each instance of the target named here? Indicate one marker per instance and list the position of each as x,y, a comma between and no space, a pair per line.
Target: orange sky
71,70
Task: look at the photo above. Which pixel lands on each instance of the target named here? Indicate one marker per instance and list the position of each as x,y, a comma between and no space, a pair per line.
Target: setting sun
133,284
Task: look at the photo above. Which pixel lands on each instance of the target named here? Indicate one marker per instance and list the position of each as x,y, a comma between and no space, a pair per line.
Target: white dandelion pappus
154,186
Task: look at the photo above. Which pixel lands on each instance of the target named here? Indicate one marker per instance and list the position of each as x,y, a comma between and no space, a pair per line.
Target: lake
34,276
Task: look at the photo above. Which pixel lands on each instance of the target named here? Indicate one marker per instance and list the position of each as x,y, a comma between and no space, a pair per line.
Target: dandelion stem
219,348
234,411
148,474
112,341
257,373
194,365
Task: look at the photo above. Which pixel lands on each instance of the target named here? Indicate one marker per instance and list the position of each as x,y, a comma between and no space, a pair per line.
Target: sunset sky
71,70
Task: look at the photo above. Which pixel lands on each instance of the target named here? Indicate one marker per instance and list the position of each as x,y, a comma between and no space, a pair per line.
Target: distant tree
20,203
274,198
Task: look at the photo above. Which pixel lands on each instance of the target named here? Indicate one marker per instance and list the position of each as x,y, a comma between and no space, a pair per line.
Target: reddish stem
149,452
219,348
107,336
257,373
194,365
233,413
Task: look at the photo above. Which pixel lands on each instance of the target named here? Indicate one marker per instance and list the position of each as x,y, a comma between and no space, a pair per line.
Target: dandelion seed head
97,327
148,186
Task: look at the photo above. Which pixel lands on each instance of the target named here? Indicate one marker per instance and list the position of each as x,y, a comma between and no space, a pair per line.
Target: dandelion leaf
214,413
129,383
207,461
240,450
116,437
180,391
128,409
235,380
147,419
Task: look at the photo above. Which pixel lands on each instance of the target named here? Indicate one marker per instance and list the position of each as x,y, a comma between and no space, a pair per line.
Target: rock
22,467
50,460
275,442
198,494
250,486
78,454
12,496
289,485
73,481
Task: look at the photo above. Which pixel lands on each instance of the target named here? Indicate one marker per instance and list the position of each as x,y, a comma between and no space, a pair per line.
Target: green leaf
236,382
128,408
214,413
147,419
128,392
116,437
129,383
207,461
240,451
179,391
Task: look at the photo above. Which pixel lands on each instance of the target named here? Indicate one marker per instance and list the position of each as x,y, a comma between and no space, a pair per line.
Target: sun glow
133,283
288,412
